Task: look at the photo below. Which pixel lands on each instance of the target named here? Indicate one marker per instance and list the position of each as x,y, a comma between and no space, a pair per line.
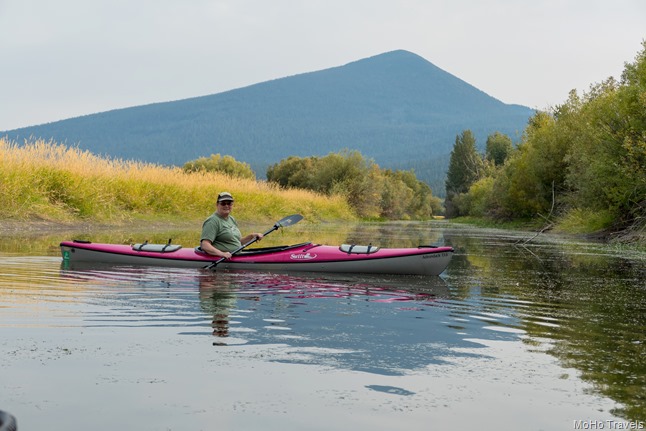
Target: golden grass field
48,181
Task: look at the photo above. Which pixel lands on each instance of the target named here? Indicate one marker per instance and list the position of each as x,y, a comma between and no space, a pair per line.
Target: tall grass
580,221
49,181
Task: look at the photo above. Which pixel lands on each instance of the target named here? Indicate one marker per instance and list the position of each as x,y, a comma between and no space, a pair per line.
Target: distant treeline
581,167
374,193
371,191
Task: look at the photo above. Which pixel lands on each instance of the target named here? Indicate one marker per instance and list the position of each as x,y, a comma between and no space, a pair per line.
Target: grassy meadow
48,181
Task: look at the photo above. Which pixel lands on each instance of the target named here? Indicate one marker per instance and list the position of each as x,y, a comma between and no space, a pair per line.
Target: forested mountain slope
396,108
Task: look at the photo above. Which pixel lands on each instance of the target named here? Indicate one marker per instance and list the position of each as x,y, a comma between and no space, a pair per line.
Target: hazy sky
65,58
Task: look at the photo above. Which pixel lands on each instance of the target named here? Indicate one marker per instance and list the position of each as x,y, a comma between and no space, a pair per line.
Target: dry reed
50,181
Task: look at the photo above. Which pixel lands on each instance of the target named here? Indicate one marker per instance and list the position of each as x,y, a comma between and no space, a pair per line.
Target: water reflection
582,303
385,325
352,322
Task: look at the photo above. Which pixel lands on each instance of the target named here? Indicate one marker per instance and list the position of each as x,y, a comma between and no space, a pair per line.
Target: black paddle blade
289,220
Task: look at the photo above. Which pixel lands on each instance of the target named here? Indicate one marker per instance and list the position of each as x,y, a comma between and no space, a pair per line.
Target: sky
66,58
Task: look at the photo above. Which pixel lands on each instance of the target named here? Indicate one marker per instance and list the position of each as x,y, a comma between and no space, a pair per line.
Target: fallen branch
548,219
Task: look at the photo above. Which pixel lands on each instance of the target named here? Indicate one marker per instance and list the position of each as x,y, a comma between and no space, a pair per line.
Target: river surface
514,335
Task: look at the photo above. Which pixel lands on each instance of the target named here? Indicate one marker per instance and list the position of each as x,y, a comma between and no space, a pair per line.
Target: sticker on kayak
302,256
434,255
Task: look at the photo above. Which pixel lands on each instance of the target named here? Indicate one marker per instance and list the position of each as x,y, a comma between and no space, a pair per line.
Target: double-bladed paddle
287,221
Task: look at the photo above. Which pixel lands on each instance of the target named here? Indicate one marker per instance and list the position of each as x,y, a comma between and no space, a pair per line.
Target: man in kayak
220,233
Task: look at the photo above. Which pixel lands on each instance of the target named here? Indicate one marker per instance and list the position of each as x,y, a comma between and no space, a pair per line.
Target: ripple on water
500,333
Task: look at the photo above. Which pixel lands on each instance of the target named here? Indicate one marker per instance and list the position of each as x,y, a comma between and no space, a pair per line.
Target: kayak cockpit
263,250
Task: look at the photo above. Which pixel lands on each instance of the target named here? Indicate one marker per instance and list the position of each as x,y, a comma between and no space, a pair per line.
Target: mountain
395,108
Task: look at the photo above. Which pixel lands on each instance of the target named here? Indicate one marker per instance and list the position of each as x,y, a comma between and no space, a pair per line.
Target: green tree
421,203
608,158
478,201
295,172
532,182
584,162
350,174
465,168
371,191
498,148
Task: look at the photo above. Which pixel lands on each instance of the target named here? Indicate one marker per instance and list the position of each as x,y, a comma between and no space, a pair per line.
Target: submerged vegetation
48,181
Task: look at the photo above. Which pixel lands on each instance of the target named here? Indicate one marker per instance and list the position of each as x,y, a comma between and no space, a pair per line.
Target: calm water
546,336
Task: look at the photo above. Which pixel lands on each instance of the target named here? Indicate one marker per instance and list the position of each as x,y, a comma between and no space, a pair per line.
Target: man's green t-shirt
223,233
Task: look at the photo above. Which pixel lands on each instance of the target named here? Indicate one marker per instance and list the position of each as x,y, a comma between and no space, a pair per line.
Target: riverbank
35,227
634,238
40,227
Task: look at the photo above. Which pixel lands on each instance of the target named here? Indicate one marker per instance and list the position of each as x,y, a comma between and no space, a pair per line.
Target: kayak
305,257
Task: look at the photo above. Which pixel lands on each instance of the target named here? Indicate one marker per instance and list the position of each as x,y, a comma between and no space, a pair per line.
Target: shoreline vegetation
46,185
579,169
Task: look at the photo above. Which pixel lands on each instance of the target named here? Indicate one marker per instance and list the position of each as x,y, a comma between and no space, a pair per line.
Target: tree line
582,163
374,193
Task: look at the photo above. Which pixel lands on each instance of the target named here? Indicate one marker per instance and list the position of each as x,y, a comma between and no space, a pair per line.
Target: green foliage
535,174
478,201
465,168
294,172
371,191
584,162
577,221
429,168
608,161
515,190
224,164
498,149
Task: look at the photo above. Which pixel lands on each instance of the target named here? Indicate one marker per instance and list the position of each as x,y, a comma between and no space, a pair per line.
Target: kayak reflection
378,324
220,293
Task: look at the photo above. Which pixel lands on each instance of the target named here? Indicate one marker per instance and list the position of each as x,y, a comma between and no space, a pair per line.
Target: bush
372,192
217,163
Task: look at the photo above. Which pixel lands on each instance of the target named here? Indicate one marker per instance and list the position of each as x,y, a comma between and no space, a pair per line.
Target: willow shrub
372,192
224,164
46,180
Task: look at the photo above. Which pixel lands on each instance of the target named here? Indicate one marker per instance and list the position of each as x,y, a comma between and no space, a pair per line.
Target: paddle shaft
287,221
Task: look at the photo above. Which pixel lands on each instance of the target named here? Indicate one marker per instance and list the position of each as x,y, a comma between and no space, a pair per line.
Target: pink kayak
306,257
